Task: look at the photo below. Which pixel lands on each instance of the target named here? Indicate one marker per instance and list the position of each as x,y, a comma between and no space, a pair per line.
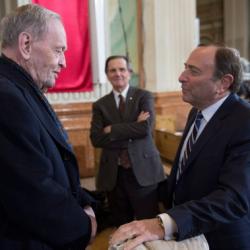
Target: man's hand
89,211
143,116
107,129
139,232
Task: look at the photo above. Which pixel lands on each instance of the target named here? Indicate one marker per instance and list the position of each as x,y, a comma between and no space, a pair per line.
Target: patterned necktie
191,141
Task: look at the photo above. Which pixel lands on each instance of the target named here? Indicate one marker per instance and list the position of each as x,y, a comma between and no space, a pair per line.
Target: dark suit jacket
213,194
40,197
126,133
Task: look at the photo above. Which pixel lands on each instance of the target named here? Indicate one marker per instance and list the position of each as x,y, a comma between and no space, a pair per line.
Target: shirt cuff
169,225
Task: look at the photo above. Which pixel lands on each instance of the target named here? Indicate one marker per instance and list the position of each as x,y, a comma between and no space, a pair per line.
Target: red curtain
77,76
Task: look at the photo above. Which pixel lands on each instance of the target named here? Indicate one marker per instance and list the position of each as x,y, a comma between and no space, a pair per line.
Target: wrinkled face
47,56
199,88
118,74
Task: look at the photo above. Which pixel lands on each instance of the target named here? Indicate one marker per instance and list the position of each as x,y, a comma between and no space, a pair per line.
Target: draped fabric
77,77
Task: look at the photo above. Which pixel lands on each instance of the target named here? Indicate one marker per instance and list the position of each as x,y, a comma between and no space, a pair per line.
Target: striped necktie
191,141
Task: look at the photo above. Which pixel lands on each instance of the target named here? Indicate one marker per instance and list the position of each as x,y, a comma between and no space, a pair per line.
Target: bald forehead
208,51
203,55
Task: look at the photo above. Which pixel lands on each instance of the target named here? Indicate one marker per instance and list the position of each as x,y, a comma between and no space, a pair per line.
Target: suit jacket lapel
207,134
46,119
112,107
190,121
210,130
129,102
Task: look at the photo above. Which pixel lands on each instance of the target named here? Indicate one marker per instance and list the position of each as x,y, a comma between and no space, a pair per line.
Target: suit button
130,140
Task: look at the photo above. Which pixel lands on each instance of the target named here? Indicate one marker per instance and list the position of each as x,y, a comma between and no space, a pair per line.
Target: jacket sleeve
228,201
31,197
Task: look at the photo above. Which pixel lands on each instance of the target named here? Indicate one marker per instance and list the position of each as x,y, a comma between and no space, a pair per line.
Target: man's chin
185,98
50,84
47,85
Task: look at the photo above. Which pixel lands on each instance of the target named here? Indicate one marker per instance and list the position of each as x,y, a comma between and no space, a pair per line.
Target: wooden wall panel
167,144
76,121
171,105
171,115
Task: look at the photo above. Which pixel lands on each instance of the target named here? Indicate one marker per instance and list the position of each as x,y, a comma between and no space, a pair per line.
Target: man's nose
118,72
62,61
182,77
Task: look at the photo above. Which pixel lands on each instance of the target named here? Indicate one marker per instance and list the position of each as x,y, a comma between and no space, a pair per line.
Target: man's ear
227,81
24,44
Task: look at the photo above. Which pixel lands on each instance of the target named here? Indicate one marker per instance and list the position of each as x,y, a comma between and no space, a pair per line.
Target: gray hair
227,61
30,18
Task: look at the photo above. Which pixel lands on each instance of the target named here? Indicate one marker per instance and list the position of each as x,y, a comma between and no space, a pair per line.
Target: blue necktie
191,141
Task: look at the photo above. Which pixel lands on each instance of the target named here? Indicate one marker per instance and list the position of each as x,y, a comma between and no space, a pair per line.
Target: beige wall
169,36
237,24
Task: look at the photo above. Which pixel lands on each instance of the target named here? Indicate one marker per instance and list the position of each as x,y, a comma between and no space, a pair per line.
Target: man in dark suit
130,165
42,205
209,185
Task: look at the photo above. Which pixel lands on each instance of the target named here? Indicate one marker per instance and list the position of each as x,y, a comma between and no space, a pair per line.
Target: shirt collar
210,111
123,93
